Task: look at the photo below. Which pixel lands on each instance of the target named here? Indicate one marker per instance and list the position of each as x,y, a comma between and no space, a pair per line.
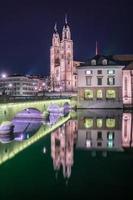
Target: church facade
62,66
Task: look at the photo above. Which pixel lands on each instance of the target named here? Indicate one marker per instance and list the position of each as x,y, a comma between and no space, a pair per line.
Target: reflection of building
62,66
62,147
127,129
100,131
128,85
100,83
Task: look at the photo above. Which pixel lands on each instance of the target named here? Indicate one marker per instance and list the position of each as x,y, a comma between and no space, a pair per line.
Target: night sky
26,29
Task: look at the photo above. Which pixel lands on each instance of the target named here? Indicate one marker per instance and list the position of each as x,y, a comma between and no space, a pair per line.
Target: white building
17,85
100,83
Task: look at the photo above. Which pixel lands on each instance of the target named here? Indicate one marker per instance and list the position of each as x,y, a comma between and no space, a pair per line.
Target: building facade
62,66
100,84
17,85
128,85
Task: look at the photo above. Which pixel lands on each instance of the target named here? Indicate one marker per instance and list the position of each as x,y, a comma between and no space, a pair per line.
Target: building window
88,122
111,72
110,123
125,84
111,81
99,94
99,136
88,72
110,94
104,62
88,94
99,123
99,144
88,80
93,62
99,71
110,137
99,81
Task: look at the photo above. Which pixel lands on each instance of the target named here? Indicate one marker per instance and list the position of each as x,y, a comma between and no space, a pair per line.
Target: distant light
10,85
44,150
4,75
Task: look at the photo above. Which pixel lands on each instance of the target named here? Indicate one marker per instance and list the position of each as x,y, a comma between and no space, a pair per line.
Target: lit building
17,85
128,85
62,66
100,83
62,147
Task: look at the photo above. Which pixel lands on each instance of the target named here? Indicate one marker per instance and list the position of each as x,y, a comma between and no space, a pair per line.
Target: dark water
90,156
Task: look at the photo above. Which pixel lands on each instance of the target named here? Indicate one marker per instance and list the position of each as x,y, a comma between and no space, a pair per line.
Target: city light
4,75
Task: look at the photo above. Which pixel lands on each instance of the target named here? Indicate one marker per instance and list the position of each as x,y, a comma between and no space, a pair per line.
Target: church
63,71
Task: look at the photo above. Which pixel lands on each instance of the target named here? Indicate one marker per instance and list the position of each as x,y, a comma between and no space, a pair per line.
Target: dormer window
104,62
93,62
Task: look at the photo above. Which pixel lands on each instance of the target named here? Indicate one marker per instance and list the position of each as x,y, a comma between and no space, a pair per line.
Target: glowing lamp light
4,75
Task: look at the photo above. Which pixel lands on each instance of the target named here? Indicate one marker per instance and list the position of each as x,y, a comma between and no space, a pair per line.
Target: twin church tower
62,66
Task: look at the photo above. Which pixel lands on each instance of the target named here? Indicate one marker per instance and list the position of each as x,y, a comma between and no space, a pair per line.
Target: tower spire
55,27
66,21
96,48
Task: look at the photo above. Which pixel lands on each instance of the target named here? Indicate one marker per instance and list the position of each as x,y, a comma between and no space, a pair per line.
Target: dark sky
26,29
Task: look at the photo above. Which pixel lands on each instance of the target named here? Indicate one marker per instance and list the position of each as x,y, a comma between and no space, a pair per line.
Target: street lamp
4,75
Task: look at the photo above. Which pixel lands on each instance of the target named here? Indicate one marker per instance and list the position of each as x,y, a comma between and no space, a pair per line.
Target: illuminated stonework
128,85
62,147
62,66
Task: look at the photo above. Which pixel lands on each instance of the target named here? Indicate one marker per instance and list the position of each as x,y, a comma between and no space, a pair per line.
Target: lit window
111,81
99,123
110,94
99,94
88,123
99,81
111,72
110,135
88,94
110,144
88,72
88,80
110,123
88,143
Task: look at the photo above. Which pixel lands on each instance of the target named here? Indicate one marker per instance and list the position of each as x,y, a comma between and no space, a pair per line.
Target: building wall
127,87
104,89
20,86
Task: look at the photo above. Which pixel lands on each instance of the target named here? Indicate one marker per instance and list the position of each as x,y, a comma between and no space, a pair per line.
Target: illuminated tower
66,61
55,60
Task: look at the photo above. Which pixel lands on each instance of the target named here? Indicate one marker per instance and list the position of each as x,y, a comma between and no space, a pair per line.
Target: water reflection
95,131
62,147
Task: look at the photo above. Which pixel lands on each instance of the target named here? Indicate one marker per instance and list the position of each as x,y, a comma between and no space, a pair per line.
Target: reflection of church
62,147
